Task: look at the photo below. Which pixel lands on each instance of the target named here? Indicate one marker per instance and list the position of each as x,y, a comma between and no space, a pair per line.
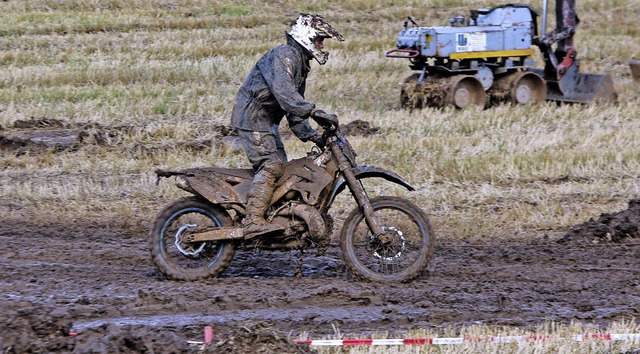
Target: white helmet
309,27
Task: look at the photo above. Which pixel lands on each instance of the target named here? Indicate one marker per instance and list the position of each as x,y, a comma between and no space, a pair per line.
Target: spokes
400,252
393,251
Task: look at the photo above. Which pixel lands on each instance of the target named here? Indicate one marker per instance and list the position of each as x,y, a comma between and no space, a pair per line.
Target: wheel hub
462,97
523,94
389,245
186,248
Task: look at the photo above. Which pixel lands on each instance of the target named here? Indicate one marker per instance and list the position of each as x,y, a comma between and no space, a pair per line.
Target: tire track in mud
99,276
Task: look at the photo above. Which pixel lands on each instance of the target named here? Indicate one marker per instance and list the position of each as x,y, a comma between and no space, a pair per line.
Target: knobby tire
352,248
169,264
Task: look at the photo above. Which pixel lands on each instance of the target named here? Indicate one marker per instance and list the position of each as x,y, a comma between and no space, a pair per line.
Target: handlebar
328,125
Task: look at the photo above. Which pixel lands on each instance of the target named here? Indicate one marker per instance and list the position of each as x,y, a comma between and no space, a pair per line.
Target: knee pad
274,167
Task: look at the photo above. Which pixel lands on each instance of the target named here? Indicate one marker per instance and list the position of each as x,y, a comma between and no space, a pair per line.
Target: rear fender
362,172
208,184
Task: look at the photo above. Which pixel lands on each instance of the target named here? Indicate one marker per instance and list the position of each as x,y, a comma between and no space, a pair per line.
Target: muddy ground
100,283
68,287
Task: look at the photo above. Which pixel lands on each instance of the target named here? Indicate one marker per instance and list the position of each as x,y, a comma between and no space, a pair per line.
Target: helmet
310,27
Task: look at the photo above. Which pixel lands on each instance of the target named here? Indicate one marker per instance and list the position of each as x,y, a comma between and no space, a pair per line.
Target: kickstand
297,271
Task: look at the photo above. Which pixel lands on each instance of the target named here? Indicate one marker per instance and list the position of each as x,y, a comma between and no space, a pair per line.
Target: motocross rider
273,89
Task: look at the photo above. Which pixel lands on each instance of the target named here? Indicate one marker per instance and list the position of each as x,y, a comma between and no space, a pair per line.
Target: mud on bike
385,238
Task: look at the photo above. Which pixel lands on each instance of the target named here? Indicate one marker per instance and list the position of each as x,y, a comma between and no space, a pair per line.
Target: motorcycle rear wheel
403,257
189,261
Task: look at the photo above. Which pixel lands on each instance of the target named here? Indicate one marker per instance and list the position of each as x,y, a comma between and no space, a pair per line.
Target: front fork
358,191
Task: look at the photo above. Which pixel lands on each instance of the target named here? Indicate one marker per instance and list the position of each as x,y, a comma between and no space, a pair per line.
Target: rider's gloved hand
323,118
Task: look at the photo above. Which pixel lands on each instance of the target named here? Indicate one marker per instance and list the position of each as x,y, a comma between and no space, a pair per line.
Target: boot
258,200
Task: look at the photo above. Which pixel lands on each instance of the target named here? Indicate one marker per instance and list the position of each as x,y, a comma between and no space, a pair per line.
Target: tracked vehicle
487,57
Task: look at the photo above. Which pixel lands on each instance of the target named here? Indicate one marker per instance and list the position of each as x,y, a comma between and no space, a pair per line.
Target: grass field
164,77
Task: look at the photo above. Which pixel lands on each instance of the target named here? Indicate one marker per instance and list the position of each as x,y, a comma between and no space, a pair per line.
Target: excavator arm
561,71
559,60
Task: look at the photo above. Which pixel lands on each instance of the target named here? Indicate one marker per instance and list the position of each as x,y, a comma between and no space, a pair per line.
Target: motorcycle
384,239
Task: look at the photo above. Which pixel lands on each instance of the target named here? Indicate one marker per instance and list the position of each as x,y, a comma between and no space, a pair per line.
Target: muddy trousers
258,200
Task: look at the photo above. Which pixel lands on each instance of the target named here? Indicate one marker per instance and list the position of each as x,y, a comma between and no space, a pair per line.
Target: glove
318,140
325,119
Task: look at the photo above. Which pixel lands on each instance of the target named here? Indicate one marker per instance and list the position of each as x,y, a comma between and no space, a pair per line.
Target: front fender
362,172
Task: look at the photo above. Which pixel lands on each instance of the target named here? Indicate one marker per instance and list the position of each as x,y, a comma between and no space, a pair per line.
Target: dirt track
102,284
99,281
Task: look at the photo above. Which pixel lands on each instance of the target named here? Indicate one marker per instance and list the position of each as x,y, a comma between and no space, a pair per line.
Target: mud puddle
308,315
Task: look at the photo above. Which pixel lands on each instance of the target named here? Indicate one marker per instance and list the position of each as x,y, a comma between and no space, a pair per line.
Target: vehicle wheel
189,261
528,88
466,91
404,254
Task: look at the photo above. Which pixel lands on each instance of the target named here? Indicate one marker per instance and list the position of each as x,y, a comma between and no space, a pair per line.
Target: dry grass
171,71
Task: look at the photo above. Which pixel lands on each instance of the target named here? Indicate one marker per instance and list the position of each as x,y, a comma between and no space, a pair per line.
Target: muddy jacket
275,88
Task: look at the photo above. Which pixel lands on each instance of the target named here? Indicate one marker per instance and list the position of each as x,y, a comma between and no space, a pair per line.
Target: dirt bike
385,238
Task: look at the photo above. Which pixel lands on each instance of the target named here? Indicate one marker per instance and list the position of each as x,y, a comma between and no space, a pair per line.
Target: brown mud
97,281
609,227
53,135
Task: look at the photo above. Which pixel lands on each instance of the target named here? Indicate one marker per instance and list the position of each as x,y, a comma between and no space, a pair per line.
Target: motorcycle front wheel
178,259
403,253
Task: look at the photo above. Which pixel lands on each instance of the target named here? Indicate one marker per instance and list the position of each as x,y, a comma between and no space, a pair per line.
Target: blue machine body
491,51
494,30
